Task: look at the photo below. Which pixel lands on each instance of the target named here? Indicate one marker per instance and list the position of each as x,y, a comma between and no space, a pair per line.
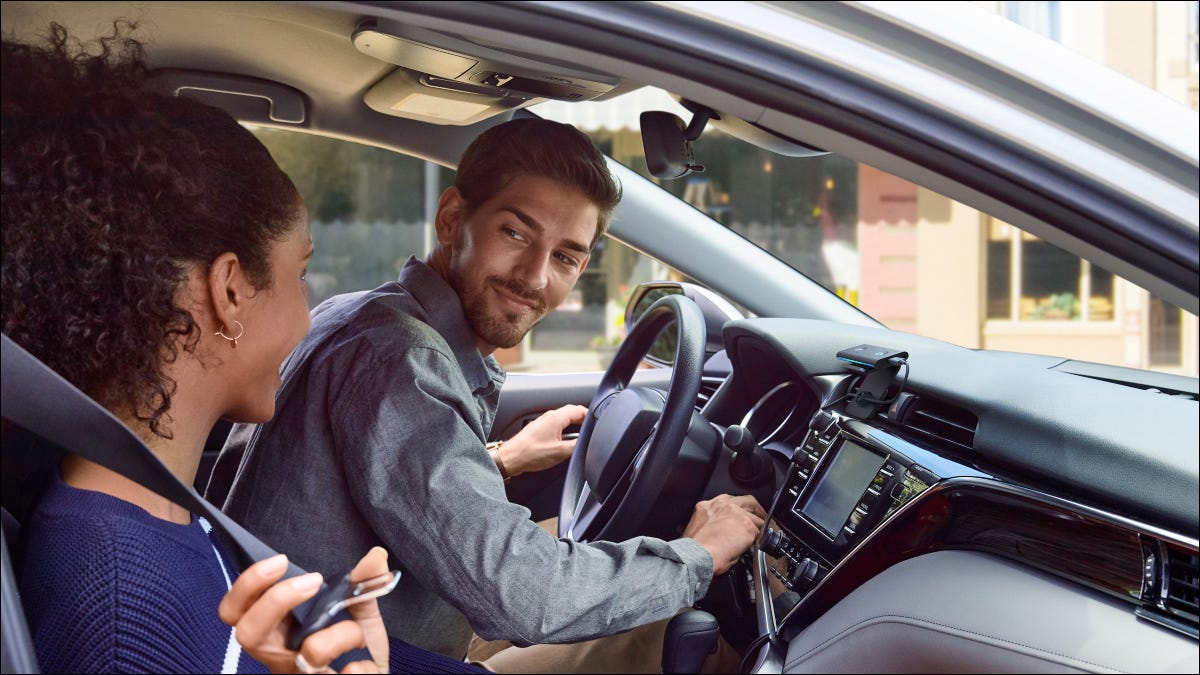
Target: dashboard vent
708,387
1182,598
942,422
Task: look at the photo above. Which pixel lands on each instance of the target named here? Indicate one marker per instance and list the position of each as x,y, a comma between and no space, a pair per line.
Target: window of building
1031,280
1040,17
1166,334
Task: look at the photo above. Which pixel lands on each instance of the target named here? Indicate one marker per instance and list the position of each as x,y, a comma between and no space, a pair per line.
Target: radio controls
773,543
802,574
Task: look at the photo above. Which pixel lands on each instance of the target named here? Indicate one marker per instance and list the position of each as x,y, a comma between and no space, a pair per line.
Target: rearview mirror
668,143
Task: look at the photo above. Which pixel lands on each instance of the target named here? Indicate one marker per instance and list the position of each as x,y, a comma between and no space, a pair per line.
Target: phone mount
879,366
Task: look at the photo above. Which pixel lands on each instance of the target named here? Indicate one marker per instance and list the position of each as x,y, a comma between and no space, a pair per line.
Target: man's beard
498,328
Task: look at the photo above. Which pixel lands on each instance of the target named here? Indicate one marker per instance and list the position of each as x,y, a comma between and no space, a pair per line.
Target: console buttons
857,516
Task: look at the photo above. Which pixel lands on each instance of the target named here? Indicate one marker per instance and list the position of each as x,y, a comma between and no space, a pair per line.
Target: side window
371,209
366,206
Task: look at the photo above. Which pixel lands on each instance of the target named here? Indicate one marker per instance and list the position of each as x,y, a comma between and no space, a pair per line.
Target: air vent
1169,587
708,387
943,422
1182,599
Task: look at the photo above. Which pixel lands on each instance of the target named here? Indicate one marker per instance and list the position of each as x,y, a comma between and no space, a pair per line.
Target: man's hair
542,148
111,192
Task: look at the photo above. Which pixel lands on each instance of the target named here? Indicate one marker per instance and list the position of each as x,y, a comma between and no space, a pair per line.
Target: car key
329,605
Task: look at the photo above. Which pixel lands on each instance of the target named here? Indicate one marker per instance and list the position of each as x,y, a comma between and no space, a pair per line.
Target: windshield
910,258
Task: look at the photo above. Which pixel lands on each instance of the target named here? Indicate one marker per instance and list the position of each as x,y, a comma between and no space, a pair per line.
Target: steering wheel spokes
632,435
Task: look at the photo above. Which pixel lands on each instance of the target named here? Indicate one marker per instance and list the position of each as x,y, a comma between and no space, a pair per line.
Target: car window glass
910,258
370,209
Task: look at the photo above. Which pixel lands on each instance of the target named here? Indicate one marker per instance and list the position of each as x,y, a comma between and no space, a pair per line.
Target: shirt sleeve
428,488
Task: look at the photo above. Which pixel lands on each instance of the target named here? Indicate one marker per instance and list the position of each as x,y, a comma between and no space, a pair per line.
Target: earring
232,340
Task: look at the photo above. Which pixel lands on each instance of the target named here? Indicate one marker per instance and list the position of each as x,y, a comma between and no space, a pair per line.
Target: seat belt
39,399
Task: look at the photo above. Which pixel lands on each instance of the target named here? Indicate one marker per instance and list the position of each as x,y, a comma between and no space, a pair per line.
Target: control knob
772,543
802,574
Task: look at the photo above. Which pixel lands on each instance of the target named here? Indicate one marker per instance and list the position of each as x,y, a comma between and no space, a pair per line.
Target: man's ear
228,289
451,213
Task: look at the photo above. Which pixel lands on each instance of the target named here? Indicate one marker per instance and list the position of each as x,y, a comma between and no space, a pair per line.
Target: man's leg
635,651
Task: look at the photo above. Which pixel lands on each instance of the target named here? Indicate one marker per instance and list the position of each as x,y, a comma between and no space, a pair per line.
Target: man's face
517,255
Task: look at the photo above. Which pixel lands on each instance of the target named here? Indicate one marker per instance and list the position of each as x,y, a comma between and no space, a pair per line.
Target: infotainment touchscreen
851,470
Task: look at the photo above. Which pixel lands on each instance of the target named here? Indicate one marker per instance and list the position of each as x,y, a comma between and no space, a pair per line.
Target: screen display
850,472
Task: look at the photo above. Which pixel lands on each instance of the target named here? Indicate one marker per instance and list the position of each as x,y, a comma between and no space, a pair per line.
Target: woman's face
275,321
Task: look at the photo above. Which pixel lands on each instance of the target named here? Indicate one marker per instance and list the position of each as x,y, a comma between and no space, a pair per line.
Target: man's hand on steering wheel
540,444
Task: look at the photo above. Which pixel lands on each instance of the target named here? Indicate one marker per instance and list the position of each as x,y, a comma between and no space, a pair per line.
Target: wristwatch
493,450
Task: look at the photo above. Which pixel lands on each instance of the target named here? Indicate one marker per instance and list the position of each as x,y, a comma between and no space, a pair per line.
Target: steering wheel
632,435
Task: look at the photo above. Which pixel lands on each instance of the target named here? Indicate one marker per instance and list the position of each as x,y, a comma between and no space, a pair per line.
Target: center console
843,481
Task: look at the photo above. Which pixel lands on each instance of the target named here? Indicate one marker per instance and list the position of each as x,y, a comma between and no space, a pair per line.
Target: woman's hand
258,608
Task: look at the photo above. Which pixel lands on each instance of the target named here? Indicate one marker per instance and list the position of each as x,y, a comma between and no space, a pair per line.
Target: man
386,406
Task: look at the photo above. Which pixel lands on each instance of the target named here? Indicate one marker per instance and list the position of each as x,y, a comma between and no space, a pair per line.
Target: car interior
932,507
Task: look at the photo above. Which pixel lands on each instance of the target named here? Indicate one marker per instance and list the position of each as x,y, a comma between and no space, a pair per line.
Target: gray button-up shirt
378,439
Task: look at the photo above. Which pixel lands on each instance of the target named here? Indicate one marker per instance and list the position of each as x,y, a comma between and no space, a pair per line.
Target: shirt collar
445,315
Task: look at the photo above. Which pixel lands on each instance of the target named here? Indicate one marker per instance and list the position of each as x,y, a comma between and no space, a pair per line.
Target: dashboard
980,511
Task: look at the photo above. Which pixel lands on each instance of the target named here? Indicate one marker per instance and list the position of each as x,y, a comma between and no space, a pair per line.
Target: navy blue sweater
108,588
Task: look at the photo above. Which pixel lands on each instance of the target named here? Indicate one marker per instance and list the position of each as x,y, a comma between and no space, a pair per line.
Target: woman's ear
451,212
228,290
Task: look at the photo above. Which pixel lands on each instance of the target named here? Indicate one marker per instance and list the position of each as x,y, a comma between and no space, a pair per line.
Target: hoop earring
232,340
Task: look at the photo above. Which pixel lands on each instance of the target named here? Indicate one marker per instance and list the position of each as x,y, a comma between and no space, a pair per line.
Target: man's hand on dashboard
726,526
540,444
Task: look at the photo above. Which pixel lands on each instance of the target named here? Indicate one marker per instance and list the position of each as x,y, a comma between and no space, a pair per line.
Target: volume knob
772,543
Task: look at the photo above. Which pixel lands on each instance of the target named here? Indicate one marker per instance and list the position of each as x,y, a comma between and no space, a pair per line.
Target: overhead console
446,79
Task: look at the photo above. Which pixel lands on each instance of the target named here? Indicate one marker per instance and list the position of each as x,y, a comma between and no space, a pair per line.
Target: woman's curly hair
111,192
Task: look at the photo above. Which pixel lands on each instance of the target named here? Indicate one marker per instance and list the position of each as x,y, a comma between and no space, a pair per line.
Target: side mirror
716,309
668,143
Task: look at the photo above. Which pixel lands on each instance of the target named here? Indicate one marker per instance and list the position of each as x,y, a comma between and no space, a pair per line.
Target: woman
154,255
